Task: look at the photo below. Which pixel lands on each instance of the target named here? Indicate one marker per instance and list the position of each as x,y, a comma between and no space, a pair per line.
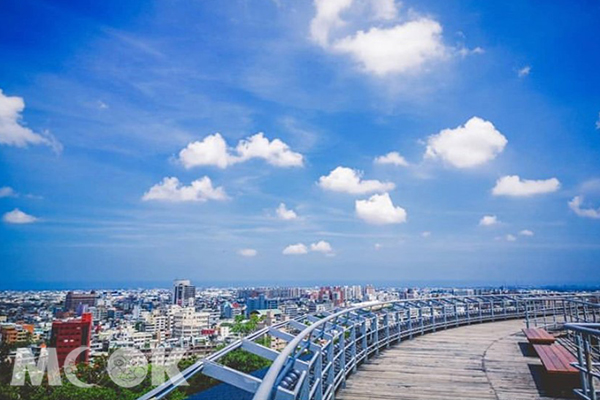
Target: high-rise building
184,292
70,335
74,300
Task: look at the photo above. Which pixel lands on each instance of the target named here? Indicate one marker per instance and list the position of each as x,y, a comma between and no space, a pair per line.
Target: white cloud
575,205
464,51
467,146
393,158
275,152
102,105
426,234
213,150
401,46
514,186
247,252
400,49
523,72
13,133
348,180
327,18
284,213
379,210
384,9
510,238
526,232
170,189
7,191
377,246
295,249
598,122
322,247
17,216
488,220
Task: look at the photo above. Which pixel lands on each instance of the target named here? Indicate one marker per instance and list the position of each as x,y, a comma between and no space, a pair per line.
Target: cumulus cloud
488,220
393,158
275,152
377,246
426,234
526,232
295,249
348,180
213,150
575,205
514,186
284,213
247,252
379,210
598,122
7,191
523,72
12,131
468,145
400,49
322,247
510,238
171,190
17,216
402,46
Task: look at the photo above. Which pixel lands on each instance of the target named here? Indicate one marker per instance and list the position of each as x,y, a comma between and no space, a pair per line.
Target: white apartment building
190,323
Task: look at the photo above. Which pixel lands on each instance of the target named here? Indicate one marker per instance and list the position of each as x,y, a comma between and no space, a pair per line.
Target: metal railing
313,354
587,341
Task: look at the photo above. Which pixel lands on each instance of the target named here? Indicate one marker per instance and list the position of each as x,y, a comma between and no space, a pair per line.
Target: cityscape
299,200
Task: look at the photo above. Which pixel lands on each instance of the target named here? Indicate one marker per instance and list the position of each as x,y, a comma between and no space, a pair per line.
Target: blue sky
130,150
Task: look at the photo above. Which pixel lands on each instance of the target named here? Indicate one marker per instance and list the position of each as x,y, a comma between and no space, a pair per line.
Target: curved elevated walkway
483,361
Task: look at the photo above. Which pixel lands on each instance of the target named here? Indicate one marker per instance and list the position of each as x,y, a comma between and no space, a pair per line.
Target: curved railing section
586,337
313,355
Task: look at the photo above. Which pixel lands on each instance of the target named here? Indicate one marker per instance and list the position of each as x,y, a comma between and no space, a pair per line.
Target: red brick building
70,335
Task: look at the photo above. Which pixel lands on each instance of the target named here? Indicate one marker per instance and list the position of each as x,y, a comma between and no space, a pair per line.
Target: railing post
375,333
318,374
365,344
386,321
353,347
342,358
331,366
410,328
455,313
589,365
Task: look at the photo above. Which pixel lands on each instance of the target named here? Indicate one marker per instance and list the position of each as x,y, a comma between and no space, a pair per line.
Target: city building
15,333
190,323
184,293
69,335
75,300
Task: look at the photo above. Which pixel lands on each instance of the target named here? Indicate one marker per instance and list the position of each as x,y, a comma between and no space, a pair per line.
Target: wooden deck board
472,362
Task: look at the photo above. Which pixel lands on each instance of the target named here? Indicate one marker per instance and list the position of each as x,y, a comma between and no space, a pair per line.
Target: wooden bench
556,359
538,336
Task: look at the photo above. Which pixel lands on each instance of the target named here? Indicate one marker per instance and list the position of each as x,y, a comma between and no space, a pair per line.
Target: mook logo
126,367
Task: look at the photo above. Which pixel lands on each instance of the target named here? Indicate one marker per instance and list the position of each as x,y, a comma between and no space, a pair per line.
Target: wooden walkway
476,362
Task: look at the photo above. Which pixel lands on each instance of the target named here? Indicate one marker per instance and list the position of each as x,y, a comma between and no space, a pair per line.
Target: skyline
347,141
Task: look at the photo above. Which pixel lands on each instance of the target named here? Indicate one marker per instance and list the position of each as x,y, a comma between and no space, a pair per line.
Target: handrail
267,386
486,308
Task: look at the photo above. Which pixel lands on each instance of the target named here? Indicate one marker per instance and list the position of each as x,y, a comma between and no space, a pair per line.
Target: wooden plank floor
472,362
